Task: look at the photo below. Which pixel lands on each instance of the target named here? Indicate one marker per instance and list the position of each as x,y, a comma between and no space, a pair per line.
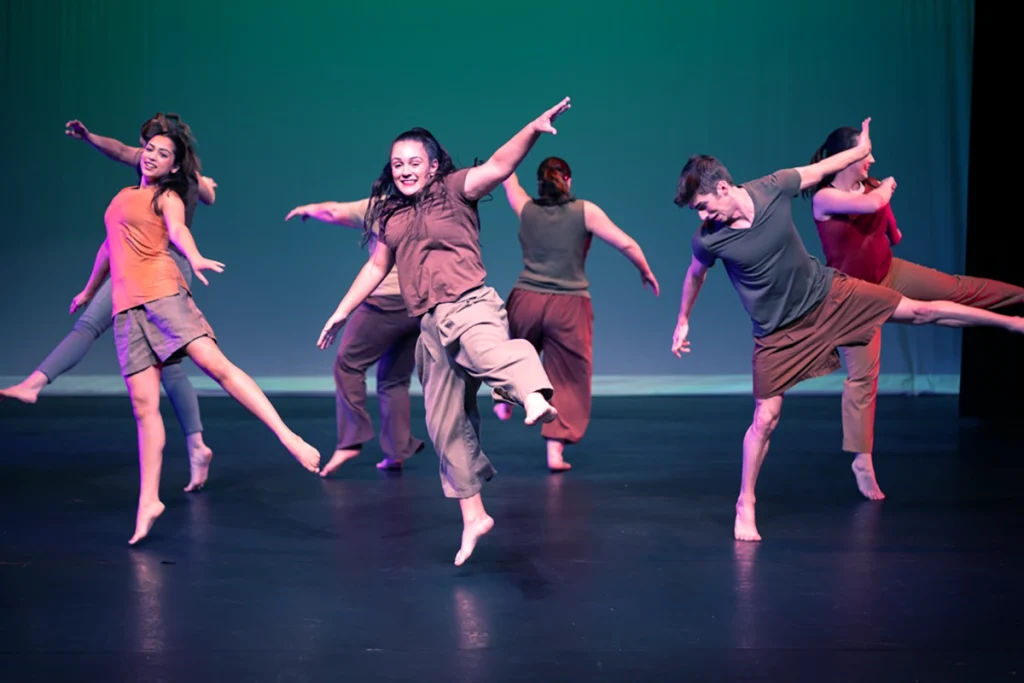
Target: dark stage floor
622,570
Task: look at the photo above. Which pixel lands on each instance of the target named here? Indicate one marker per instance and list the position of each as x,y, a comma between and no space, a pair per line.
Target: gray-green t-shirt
776,279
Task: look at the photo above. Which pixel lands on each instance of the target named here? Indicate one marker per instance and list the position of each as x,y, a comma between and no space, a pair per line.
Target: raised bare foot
538,409
471,533
144,519
199,465
864,471
307,456
745,528
338,459
26,391
503,410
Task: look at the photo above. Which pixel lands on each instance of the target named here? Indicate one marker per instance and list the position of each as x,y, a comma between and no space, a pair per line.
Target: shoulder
455,183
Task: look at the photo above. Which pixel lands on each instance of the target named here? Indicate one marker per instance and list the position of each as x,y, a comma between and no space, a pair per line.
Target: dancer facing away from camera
857,228
430,229
97,317
802,312
156,322
549,305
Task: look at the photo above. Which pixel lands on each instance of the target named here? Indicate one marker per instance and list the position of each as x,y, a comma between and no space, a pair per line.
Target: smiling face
411,166
157,158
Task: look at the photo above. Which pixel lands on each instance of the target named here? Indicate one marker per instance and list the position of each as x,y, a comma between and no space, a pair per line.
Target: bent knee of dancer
765,421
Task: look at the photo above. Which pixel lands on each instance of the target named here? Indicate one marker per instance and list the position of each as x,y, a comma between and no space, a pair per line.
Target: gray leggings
97,318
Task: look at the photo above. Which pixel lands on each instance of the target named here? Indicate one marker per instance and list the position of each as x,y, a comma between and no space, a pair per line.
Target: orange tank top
141,268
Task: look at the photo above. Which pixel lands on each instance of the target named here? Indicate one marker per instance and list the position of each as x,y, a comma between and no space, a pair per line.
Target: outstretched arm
830,201
382,260
812,175
113,149
207,189
517,197
348,214
599,224
481,180
100,270
694,280
174,218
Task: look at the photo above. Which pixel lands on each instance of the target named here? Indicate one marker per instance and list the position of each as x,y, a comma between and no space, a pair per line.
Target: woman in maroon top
858,230
429,228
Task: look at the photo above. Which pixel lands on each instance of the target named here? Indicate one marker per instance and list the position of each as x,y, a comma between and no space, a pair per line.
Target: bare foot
556,461
144,519
307,456
338,459
864,471
745,528
390,465
471,533
199,464
538,409
503,411
26,391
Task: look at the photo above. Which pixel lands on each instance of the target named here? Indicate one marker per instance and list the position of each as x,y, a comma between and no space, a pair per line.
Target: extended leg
144,390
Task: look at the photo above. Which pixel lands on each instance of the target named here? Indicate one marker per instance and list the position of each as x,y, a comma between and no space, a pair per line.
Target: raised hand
331,329
543,122
202,263
864,140
680,344
80,300
648,280
76,129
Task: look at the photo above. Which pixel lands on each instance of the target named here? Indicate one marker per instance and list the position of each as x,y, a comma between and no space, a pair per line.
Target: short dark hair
700,175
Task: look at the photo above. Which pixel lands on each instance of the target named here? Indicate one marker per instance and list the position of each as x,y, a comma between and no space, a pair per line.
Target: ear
568,183
175,169
722,188
434,165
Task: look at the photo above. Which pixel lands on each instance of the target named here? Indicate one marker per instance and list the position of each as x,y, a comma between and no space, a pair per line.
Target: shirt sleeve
456,184
787,181
700,251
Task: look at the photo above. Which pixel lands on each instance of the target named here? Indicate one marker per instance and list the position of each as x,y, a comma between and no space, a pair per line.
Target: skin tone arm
129,156
173,210
830,200
482,180
812,175
516,195
348,214
369,278
100,270
598,223
694,280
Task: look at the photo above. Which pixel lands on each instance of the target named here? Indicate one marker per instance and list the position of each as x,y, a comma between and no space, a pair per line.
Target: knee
85,325
219,369
146,407
766,418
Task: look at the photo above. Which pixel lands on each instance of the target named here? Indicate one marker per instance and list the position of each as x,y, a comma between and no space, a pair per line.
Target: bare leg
475,524
860,395
27,390
755,448
949,314
207,355
556,461
144,389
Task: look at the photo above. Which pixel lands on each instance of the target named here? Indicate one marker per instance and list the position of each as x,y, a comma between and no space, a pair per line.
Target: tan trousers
462,344
860,390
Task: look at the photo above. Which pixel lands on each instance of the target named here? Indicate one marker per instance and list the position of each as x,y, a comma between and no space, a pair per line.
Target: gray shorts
157,333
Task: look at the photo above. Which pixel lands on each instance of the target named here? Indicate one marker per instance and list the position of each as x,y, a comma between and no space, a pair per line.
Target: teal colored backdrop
297,102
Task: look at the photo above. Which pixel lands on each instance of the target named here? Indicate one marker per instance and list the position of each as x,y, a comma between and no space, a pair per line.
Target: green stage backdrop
297,102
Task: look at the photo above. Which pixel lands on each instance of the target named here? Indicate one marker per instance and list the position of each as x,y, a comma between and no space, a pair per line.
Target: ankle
745,500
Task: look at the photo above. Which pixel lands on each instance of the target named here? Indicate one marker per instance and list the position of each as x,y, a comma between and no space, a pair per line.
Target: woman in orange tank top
156,322
858,230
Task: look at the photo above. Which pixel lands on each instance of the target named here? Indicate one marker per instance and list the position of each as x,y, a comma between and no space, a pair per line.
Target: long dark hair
175,181
386,199
163,123
839,140
553,176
